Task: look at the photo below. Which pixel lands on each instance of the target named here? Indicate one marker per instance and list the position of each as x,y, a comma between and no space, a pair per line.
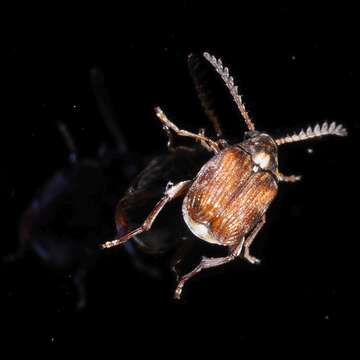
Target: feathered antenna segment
318,131
229,82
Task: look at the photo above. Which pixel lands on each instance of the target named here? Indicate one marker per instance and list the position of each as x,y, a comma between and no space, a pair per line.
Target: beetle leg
288,178
166,122
79,282
170,194
252,259
207,263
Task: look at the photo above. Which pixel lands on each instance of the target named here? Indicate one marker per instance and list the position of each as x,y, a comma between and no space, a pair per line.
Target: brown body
228,197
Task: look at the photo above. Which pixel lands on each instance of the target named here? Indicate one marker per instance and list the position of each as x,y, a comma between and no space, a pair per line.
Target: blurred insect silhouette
72,214
226,202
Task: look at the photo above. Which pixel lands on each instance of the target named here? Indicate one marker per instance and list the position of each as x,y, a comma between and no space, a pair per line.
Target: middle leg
171,193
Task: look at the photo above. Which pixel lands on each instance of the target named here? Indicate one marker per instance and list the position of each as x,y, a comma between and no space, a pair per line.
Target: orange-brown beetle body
229,197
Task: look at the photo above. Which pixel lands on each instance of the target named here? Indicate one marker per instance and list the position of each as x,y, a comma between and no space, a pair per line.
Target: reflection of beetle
226,202
169,234
145,190
73,213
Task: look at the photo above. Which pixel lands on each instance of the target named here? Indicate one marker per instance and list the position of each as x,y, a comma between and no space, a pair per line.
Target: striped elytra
228,197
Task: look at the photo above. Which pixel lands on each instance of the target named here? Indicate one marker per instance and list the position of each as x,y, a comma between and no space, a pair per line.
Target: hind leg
207,263
250,239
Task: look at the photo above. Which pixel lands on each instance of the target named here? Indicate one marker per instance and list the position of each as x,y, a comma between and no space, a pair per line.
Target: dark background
295,65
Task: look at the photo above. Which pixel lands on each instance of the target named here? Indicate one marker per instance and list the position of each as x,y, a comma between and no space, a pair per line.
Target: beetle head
262,148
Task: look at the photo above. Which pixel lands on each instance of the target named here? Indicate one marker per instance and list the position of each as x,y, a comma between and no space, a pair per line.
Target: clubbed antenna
229,82
318,131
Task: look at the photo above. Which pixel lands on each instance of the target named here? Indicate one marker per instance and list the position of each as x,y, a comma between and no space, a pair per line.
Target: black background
295,65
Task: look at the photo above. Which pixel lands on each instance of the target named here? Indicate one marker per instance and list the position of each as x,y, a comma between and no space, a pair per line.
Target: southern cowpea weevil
227,201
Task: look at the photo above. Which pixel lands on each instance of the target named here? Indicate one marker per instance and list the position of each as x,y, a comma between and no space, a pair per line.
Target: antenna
229,82
318,131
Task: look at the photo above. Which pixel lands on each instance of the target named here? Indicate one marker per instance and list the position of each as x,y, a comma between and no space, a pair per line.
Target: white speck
326,317
52,339
76,107
293,57
310,150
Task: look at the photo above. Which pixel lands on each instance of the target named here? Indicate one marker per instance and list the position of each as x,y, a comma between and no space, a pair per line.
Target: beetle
226,202
71,214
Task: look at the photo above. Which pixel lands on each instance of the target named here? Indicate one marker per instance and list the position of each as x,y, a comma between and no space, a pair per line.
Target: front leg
170,125
207,263
171,193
